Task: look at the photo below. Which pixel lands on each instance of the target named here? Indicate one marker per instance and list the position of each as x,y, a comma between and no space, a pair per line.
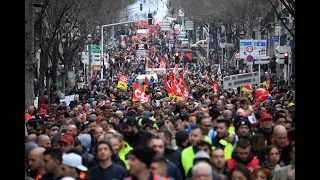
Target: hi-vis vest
228,148
155,126
187,156
123,154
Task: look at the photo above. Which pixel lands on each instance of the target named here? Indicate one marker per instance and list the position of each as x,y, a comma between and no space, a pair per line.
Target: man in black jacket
133,134
106,169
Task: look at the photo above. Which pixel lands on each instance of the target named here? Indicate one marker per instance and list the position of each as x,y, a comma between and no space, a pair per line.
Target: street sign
244,43
255,48
188,28
171,37
249,49
165,28
95,48
222,43
171,41
261,62
260,48
250,58
238,80
274,38
237,55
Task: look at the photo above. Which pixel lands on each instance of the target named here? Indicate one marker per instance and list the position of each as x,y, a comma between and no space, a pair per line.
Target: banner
139,94
123,82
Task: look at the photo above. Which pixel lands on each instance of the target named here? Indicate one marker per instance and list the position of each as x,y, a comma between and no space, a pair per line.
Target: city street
160,89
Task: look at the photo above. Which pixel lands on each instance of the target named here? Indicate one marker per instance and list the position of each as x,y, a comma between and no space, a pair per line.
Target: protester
153,116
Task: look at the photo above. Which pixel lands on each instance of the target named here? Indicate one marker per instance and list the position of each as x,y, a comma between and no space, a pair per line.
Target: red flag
185,91
139,94
175,87
168,87
146,83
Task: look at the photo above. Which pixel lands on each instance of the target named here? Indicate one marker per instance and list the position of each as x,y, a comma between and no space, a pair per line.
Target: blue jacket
173,171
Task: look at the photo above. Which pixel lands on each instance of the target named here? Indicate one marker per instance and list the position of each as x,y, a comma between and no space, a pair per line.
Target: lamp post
89,41
38,8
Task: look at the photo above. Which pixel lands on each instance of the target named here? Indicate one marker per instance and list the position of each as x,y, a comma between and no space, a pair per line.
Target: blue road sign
250,58
274,39
171,41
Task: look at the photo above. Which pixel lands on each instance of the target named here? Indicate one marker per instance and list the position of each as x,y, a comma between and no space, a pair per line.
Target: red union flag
139,94
123,82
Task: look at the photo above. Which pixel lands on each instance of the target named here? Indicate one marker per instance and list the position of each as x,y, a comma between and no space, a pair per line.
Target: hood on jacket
85,140
249,158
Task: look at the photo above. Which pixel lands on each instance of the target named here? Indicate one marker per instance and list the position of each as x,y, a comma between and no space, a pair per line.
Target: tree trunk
77,64
29,53
43,68
54,67
47,81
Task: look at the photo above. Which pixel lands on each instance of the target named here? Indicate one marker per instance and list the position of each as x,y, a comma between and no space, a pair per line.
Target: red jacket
252,164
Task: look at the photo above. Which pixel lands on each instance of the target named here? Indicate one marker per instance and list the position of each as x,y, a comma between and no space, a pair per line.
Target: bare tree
290,7
81,13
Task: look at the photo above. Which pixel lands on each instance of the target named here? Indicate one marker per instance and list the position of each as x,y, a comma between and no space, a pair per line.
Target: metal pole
288,70
259,69
101,51
89,68
208,42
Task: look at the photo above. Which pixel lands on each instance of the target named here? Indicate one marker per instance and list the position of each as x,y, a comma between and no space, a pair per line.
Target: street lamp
38,6
89,41
89,37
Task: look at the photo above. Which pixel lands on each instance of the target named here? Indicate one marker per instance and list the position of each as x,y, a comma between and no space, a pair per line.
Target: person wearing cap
66,143
105,168
133,134
72,166
291,109
243,128
140,160
266,127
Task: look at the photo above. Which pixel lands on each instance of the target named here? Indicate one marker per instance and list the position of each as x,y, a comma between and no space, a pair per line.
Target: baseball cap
67,139
201,155
291,104
68,178
130,121
73,160
265,116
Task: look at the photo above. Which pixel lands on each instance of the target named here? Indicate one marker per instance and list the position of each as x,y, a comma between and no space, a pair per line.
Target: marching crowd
189,127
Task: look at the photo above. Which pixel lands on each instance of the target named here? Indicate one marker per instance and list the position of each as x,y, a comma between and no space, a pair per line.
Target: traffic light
149,18
286,58
176,58
140,7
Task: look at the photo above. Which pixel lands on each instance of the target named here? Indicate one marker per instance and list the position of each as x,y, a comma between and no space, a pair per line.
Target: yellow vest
187,156
126,148
228,148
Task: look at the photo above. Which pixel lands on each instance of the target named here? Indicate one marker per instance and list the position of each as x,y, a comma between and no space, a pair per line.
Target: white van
140,78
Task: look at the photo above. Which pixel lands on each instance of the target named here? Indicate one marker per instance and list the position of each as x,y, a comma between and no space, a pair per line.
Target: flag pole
240,91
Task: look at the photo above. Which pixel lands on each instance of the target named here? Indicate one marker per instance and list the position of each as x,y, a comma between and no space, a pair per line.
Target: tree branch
290,10
279,17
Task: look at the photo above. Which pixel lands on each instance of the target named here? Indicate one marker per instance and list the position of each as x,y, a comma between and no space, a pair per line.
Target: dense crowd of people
209,133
